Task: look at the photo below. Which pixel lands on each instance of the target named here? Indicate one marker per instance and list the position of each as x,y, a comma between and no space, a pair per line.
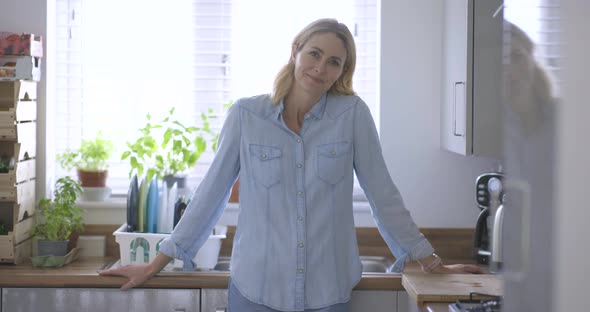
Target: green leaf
134,162
125,155
201,144
151,173
167,137
194,157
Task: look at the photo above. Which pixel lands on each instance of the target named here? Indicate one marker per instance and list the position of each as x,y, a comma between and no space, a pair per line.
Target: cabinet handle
461,86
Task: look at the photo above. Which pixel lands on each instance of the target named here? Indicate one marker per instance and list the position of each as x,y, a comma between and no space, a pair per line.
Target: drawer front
91,300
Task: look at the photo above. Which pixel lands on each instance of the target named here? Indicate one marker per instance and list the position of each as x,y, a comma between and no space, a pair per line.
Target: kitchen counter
83,274
425,290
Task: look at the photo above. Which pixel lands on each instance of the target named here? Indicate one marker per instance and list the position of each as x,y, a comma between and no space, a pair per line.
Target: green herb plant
57,219
168,147
91,156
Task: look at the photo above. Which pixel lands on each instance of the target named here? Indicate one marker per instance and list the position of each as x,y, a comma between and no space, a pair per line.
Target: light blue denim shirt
295,246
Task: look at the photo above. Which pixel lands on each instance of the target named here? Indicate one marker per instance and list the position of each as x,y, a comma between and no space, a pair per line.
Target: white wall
572,214
31,16
438,186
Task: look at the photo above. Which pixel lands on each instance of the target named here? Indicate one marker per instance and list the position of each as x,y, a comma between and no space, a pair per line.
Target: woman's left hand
458,269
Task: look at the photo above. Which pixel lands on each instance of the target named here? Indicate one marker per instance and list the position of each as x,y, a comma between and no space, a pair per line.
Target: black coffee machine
483,228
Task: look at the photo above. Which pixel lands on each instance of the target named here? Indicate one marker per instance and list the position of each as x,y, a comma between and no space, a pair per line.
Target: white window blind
119,60
540,20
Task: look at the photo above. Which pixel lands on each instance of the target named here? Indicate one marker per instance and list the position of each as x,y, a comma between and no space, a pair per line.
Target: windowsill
116,212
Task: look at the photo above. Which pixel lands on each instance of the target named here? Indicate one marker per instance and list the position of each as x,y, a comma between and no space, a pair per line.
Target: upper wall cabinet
472,76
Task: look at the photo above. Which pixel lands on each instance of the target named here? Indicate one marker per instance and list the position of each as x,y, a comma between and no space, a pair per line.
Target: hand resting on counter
138,274
434,264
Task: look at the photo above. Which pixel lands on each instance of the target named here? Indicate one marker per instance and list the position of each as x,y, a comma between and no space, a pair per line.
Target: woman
295,247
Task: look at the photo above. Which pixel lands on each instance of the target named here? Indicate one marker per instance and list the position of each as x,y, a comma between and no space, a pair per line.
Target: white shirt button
264,156
301,245
300,218
299,165
298,140
300,271
300,193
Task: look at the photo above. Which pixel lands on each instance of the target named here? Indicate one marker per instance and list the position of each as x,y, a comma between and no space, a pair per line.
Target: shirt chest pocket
333,161
266,164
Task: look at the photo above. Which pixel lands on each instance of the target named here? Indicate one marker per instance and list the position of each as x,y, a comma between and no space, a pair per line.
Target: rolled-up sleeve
392,218
210,197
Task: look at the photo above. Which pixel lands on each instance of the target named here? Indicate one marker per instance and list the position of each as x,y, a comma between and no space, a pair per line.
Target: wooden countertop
429,288
83,274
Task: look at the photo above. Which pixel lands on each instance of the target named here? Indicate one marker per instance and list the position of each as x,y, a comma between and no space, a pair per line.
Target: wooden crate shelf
19,231
12,92
18,151
23,171
20,132
23,209
18,140
17,254
17,193
20,111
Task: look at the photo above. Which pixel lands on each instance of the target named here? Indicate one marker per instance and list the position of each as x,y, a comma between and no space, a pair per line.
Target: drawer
19,90
19,111
21,132
23,171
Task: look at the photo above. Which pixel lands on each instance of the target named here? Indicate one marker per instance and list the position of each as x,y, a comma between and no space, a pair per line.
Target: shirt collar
317,111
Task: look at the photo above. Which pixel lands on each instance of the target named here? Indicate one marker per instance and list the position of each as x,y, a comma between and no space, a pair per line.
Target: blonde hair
542,83
342,86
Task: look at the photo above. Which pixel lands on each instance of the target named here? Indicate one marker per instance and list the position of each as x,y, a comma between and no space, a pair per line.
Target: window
119,60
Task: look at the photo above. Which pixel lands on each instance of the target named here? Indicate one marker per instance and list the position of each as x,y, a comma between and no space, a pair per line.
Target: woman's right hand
137,274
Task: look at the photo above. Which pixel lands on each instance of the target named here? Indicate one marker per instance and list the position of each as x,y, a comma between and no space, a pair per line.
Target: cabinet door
91,300
472,77
456,82
213,300
373,300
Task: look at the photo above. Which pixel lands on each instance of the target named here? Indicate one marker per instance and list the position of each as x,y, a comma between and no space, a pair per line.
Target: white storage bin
136,248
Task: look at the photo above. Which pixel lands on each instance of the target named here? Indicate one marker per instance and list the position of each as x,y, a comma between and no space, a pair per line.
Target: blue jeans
238,303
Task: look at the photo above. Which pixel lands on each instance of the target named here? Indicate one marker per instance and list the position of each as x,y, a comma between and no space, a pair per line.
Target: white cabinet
472,78
373,301
95,300
213,300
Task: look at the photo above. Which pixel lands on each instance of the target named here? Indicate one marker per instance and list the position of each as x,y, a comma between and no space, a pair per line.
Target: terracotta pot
92,178
234,197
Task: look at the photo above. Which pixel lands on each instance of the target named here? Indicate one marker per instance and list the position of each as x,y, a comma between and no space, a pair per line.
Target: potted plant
168,148
90,160
56,220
